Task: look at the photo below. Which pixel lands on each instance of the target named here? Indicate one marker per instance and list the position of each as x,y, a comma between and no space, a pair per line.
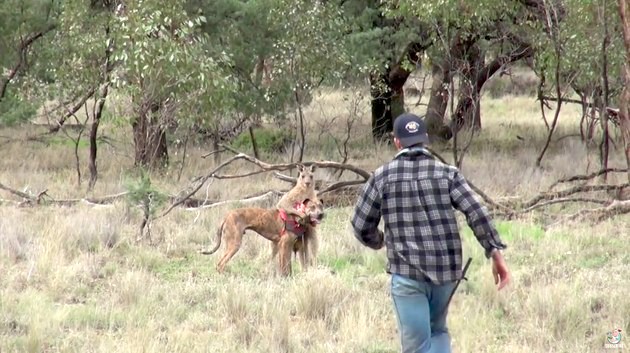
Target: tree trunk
96,120
382,116
386,89
438,100
98,110
149,138
468,111
443,72
468,106
624,106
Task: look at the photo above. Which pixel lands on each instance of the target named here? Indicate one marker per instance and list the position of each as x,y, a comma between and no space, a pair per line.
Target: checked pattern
416,196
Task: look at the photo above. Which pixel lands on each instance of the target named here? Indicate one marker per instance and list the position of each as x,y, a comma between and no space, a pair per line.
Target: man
416,196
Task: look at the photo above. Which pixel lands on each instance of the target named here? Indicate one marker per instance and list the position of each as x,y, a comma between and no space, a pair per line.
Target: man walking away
416,196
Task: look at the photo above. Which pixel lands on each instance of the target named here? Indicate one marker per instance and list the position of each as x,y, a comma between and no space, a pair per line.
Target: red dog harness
290,224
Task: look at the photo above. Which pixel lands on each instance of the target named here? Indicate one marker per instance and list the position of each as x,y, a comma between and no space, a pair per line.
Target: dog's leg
303,252
285,246
313,247
232,249
274,250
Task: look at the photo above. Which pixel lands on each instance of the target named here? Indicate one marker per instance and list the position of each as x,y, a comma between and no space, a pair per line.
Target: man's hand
381,239
499,270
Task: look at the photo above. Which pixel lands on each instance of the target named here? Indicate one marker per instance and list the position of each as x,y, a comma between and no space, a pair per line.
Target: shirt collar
413,151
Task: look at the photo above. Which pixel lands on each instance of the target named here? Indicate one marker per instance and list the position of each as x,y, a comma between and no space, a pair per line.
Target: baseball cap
410,129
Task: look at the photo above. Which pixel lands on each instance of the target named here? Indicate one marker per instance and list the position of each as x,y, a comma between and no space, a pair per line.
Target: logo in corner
412,127
613,339
614,336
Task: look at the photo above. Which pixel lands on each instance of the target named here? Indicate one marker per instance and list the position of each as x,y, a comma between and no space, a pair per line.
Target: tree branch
25,44
588,176
572,191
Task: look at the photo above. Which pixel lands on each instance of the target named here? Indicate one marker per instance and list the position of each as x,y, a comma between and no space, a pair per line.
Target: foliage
161,53
580,36
18,18
302,41
141,192
268,140
15,110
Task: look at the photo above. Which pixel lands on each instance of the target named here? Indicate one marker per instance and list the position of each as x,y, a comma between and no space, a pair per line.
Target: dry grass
74,279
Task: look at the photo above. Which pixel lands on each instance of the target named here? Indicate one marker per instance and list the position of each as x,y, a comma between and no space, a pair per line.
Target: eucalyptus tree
468,40
150,51
584,55
23,25
299,45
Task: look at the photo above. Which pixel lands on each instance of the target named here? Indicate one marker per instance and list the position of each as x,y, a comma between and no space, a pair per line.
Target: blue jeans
421,312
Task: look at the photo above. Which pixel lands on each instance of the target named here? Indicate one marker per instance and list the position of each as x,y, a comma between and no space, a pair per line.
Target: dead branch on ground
600,214
587,177
349,188
546,196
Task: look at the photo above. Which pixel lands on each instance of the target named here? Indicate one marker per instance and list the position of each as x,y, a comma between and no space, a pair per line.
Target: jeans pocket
403,286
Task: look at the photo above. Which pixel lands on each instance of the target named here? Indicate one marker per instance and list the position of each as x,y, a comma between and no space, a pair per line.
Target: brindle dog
270,224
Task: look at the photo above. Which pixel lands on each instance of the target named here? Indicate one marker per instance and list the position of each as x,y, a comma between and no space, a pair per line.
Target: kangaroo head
305,176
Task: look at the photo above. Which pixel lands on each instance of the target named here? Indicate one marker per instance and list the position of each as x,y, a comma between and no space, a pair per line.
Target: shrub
517,85
14,110
268,140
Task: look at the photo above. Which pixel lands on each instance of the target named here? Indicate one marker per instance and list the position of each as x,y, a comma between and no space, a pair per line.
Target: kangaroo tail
216,247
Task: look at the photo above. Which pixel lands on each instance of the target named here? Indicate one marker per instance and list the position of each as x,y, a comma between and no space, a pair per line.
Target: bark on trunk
624,109
98,111
468,111
387,103
386,89
443,72
438,100
149,138
481,74
381,116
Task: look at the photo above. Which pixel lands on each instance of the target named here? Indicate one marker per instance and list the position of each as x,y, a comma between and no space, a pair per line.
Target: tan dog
267,222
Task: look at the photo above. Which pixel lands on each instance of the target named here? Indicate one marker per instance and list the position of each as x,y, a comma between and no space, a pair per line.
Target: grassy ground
74,279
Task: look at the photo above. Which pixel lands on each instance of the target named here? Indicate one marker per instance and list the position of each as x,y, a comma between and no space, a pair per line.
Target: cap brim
413,140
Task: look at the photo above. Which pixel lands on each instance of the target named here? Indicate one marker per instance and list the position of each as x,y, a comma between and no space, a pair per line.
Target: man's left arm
367,215
477,216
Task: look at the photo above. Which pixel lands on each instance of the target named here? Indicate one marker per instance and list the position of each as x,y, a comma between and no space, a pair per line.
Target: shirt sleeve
367,215
477,216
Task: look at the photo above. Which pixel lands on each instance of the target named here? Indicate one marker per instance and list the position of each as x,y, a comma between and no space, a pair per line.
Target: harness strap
290,224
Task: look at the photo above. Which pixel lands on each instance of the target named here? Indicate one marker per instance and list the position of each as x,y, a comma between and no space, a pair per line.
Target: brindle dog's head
306,175
314,209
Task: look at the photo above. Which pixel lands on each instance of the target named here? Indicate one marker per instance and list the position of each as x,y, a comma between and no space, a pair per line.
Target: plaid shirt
416,196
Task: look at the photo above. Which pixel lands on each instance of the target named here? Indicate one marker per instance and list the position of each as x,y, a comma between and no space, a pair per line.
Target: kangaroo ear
300,167
313,167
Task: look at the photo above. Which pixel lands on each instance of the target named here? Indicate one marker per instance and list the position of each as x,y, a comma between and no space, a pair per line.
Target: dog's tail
216,247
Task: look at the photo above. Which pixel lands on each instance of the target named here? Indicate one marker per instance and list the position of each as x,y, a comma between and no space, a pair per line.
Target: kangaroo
290,203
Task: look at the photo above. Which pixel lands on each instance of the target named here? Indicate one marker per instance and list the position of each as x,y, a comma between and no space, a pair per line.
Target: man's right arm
477,215
367,215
